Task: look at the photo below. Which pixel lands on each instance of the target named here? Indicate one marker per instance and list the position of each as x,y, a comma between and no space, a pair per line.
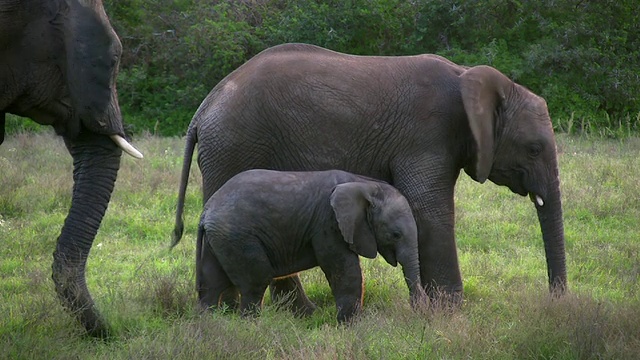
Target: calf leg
214,287
345,279
289,291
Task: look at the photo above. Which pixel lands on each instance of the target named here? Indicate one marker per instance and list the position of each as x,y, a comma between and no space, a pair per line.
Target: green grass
147,292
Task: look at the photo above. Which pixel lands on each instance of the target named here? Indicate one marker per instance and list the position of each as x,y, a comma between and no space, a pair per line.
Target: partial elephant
412,121
58,65
265,224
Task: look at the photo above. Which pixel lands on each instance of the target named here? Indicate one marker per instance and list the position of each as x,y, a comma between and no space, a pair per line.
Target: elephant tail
192,139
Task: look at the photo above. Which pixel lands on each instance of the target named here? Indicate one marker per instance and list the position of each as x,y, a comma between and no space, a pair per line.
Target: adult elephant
413,121
58,65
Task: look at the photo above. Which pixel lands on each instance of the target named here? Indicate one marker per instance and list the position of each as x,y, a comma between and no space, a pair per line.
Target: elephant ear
92,51
351,203
483,89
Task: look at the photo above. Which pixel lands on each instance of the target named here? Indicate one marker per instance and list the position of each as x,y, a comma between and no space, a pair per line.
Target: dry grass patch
147,292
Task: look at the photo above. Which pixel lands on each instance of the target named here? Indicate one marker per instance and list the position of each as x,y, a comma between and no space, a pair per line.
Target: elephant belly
302,260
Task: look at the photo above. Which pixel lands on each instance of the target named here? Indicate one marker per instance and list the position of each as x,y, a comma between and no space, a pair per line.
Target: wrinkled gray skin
58,66
412,121
265,224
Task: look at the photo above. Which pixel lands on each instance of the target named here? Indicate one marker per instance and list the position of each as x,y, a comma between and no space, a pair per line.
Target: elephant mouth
516,188
389,256
515,183
523,185
534,193
521,190
524,188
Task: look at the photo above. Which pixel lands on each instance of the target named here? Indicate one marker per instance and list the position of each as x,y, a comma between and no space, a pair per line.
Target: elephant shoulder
438,63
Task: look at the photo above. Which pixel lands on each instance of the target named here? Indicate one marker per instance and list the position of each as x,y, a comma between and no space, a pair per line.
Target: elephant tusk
126,147
537,199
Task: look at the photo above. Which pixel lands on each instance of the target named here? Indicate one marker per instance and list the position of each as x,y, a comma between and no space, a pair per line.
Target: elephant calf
265,224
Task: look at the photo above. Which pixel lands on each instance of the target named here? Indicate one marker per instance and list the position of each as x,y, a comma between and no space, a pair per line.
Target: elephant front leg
431,197
289,291
346,281
439,268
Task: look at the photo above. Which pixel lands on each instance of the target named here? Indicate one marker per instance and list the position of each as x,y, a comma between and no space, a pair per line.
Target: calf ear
483,88
350,202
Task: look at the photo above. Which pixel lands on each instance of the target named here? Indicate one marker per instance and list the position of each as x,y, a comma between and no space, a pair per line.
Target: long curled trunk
550,217
96,160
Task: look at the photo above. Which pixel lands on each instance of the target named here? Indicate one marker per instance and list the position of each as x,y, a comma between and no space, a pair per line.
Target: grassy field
147,292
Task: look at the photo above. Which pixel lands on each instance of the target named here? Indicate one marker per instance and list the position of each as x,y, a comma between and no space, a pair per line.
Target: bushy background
583,56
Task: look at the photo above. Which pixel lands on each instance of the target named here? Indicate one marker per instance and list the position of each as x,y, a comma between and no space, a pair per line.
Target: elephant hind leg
214,287
251,272
251,300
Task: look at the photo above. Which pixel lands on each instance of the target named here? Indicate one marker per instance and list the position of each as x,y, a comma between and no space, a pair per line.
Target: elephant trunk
96,160
411,271
550,217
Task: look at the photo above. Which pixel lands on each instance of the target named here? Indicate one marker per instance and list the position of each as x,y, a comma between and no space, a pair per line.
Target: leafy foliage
176,51
582,56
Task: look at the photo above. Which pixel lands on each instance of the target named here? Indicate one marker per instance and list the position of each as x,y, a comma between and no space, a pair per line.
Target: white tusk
126,147
539,200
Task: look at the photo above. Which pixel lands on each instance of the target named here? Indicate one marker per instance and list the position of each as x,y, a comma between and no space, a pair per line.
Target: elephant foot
303,307
347,312
228,298
288,293
444,298
290,301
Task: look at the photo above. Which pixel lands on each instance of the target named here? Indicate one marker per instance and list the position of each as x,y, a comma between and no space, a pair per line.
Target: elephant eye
534,150
396,235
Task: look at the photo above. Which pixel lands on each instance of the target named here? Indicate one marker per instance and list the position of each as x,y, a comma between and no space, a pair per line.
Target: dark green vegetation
582,56
146,291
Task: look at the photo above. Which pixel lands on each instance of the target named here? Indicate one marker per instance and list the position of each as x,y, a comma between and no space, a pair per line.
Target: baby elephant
265,224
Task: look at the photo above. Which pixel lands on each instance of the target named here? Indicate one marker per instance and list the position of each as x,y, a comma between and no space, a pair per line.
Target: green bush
581,56
174,56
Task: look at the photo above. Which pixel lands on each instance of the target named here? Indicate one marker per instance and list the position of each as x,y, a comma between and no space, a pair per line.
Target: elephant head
375,218
515,147
58,66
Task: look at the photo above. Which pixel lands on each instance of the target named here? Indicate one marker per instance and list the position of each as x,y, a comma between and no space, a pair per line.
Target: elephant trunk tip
417,296
100,331
76,299
558,287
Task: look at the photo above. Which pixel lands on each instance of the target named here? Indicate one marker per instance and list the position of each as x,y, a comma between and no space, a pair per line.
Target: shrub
581,56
